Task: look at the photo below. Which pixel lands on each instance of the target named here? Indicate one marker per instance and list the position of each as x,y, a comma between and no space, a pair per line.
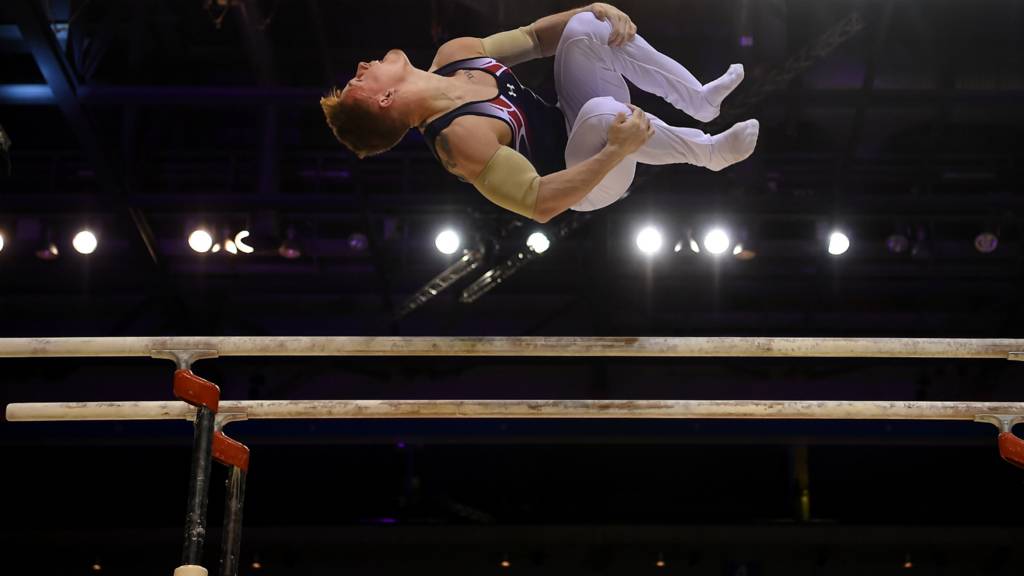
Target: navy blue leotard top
538,128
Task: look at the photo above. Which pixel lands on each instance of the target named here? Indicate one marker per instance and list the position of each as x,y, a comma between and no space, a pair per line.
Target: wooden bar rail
1012,349
394,409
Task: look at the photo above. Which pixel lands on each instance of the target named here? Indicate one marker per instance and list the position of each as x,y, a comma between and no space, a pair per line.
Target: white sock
734,145
716,90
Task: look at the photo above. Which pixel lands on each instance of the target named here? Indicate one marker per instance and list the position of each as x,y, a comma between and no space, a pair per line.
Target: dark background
144,119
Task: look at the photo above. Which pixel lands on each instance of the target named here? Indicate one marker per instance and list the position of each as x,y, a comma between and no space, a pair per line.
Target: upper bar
1012,349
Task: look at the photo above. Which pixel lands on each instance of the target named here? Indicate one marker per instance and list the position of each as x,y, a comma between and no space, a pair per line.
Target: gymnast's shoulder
457,49
466,145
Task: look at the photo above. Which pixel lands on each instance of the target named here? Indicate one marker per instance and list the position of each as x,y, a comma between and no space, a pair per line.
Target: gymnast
520,152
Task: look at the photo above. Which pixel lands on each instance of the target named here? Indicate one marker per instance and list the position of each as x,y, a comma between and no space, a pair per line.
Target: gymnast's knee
586,25
600,111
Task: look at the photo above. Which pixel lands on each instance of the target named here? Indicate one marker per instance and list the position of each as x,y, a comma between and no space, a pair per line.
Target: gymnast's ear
387,98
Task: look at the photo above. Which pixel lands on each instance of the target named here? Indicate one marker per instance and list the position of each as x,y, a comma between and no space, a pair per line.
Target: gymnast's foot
734,145
716,91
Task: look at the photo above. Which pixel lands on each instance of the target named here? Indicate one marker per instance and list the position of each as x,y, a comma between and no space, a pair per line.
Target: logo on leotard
511,90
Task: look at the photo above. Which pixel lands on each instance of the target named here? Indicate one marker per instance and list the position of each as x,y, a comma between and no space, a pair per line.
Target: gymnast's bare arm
509,48
469,143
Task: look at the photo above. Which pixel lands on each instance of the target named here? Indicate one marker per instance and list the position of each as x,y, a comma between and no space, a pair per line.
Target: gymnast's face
378,77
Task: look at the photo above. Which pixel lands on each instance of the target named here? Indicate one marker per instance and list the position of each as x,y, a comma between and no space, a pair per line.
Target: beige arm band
513,46
510,181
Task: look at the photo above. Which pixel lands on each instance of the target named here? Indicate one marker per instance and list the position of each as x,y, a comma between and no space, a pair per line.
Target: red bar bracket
1011,448
230,452
195,390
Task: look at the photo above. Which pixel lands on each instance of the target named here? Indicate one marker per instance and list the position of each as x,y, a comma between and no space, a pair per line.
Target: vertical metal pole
232,543
199,484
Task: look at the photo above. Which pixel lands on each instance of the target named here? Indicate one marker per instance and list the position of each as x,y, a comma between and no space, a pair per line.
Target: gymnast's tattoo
446,151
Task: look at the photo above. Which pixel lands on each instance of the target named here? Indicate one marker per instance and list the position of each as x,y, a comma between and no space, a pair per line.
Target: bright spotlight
694,246
716,241
649,240
538,242
838,243
229,246
1,242
84,242
737,249
200,240
242,246
447,242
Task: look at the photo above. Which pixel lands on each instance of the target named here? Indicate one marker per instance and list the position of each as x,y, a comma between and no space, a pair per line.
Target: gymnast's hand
623,28
626,135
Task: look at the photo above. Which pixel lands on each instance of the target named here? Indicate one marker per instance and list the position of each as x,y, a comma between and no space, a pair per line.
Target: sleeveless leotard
538,128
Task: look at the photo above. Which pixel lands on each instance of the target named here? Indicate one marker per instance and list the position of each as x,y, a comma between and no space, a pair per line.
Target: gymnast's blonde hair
363,128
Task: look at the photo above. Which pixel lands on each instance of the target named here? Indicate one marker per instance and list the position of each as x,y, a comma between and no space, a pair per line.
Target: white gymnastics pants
591,92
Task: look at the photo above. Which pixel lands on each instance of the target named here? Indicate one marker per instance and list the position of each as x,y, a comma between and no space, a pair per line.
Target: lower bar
680,409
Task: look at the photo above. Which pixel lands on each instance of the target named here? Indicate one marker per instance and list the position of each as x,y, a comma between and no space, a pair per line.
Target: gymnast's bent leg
588,136
668,145
584,43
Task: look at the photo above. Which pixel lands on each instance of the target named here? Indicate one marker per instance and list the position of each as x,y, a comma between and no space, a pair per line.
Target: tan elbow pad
510,181
513,46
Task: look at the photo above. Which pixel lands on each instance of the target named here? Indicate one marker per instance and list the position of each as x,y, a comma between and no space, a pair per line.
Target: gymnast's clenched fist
627,134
